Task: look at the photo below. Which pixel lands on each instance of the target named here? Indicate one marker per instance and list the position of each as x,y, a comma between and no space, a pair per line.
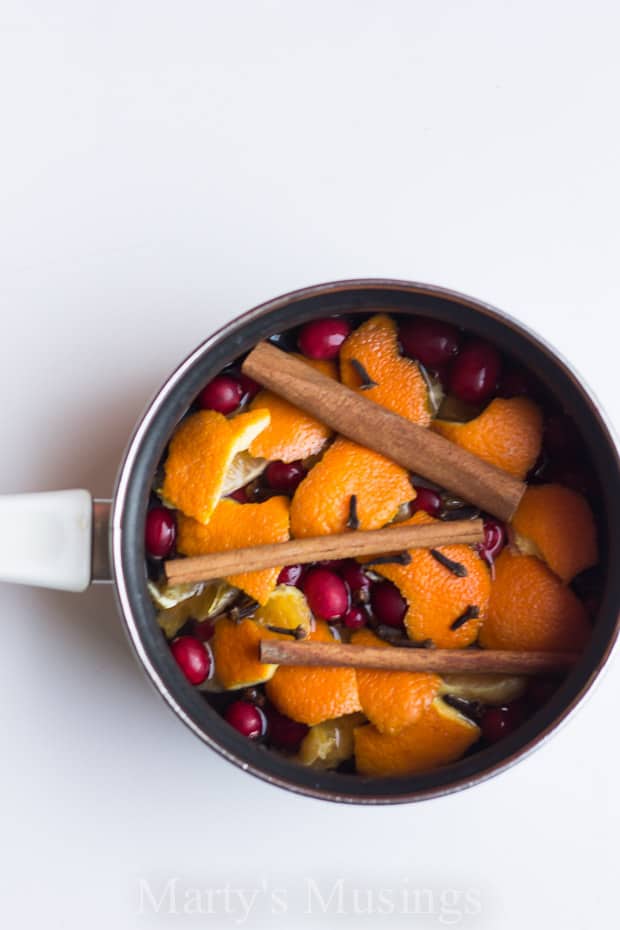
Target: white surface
163,167
47,539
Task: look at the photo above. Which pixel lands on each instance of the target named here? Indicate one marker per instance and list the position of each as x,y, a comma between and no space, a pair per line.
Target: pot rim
120,501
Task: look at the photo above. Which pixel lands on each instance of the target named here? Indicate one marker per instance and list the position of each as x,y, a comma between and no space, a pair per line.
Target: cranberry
193,658
222,394
284,733
426,499
430,341
249,387
203,629
499,722
475,372
246,718
160,532
291,574
240,495
323,338
327,594
494,540
388,604
284,476
355,576
355,618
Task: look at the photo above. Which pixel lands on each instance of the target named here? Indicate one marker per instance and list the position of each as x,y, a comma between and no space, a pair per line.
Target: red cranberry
327,594
291,574
426,499
284,733
388,604
354,575
499,722
203,629
160,532
193,658
240,495
284,476
222,394
430,341
494,540
246,718
355,618
475,372
323,338
249,387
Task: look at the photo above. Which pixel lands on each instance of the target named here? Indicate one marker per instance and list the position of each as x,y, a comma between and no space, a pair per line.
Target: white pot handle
56,539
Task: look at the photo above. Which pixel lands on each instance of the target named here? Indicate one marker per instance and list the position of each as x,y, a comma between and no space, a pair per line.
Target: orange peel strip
508,434
399,384
291,434
200,454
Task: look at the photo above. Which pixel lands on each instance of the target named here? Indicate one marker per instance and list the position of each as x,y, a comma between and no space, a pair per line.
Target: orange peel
508,434
531,610
235,653
440,736
235,526
392,700
313,694
200,455
291,434
559,523
321,503
398,382
436,598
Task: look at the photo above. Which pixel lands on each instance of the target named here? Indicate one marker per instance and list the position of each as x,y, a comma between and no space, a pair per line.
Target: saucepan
67,540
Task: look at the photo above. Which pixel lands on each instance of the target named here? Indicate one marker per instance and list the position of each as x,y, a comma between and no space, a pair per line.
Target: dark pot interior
147,447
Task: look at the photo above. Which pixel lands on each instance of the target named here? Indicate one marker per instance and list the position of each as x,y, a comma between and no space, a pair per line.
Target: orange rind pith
397,382
291,434
200,455
508,434
287,608
531,610
313,694
438,600
440,736
392,700
235,653
559,522
321,504
234,526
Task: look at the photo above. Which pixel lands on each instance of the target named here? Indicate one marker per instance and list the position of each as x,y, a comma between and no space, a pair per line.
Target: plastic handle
47,539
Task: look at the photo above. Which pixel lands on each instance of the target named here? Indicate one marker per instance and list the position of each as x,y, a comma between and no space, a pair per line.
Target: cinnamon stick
396,538
358,418
395,658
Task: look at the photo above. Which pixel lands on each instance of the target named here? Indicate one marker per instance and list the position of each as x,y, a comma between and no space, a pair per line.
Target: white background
164,166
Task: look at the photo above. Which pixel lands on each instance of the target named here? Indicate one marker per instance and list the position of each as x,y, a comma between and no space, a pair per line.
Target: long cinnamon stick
395,658
369,424
396,538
